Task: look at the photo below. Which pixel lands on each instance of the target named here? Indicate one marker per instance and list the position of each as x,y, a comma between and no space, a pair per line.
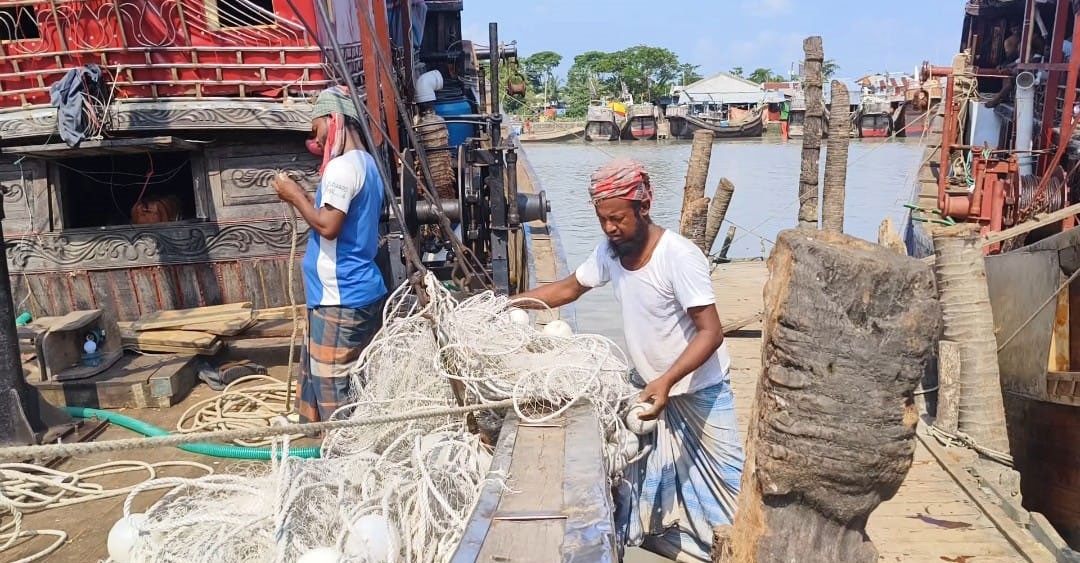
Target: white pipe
426,86
1025,121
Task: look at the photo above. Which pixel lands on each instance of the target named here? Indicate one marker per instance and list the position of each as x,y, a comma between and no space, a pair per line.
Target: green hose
213,450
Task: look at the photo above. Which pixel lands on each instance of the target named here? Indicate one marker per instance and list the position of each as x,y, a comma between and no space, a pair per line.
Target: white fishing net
400,491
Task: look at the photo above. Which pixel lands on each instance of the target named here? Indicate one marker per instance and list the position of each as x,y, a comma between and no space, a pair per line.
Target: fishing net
398,491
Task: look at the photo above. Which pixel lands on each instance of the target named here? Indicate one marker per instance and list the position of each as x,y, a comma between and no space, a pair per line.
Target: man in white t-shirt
670,501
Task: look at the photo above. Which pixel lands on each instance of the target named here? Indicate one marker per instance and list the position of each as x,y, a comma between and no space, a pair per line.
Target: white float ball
123,535
558,328
638,426
371,538
320,555
520,317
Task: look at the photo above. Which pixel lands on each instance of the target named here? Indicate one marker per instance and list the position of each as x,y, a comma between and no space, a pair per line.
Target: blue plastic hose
212,450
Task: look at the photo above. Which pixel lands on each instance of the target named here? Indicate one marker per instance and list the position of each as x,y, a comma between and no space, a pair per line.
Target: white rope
247,403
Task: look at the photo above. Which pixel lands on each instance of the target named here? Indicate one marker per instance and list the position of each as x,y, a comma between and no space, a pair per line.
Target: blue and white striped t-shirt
342,272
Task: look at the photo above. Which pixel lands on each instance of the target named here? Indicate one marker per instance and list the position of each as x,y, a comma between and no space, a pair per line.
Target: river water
765,173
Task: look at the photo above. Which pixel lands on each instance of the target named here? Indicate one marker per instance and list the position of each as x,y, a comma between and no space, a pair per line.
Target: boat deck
931,518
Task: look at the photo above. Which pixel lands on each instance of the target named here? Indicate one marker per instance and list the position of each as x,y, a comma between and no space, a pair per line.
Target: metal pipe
493,37
514,219
1025,121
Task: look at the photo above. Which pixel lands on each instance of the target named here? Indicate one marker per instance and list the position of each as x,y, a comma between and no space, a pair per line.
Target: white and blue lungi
669,501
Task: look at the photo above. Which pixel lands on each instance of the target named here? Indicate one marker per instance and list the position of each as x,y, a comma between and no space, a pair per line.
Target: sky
863,37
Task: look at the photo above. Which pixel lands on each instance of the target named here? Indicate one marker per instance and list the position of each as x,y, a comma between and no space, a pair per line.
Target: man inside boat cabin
672,498
344,286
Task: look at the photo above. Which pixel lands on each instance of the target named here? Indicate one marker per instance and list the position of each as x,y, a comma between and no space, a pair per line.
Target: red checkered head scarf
621,178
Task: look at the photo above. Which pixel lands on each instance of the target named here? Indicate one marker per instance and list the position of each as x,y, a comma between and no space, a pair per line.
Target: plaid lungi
669,501
336,336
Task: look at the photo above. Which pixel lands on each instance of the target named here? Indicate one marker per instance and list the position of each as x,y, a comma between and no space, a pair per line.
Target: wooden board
228,327
200,315
178,341
135,381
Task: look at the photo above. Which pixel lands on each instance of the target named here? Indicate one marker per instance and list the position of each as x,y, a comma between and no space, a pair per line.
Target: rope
11,532
1052,296
959,438
308,429
248,402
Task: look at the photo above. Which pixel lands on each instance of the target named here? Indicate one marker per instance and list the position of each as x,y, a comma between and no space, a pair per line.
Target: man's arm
327,221
553,295
709,337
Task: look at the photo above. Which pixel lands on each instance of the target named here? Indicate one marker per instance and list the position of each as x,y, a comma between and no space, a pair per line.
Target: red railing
159,48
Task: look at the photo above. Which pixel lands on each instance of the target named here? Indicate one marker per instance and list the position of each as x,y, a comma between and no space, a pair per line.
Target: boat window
126,189
18,23
223,14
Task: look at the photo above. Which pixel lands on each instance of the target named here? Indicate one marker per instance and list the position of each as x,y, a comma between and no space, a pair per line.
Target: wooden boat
873,119
683,123
1026,261
913,116
600,123
640,123
555,133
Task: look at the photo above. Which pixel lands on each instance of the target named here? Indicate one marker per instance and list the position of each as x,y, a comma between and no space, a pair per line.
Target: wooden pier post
812,130
717,211
969,321
696,223
836,158
728,238
849,328
696,174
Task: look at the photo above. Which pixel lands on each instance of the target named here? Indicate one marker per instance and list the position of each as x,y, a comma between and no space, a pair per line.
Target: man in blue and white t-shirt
345,289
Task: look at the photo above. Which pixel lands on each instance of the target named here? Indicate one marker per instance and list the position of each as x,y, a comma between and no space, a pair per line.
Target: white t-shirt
654,300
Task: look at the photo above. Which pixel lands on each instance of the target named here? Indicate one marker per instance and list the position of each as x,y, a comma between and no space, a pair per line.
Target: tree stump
948,396
849,329
887,237
969,321
696,174
696,222
718,210
812,130
832,196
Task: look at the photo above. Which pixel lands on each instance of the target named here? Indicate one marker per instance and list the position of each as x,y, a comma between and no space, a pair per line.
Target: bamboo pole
717,211
696,174
812,130
832,196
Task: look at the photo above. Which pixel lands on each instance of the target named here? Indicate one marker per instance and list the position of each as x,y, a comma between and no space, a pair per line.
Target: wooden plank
209,284
168,294
536,541
104,147
146,290
181,317
102,286
254,290
739,324
127,306
188,284
1036,222
173,341
82,291
232,282
274,277
536,472
273,328
278,313
948,404
1025,545
229,327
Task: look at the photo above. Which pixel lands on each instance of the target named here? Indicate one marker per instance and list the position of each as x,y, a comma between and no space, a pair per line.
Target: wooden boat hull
876,125
751,128
556,136
911,122
641,128
601,131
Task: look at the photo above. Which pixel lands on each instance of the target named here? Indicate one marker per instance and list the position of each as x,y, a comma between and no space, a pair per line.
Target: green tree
689,73
648,72
829,68
762,75
737,71
538,69
584,81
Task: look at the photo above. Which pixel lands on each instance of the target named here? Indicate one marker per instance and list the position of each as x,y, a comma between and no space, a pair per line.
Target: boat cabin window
126,189
225,14
18,23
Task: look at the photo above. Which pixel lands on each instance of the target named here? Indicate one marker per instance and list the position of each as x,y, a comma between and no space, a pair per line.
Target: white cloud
766,7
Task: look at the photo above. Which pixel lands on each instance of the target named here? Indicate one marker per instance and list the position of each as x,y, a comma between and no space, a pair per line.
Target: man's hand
656,392
287,189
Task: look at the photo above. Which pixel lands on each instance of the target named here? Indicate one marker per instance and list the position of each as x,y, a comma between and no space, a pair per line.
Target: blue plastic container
458,131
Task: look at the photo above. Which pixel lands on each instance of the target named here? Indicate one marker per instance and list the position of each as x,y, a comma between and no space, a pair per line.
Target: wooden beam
1036,222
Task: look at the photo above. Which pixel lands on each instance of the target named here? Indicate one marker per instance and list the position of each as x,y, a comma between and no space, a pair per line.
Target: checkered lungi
336,336
669,501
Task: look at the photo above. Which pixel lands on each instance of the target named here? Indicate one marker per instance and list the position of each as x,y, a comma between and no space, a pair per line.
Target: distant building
723,90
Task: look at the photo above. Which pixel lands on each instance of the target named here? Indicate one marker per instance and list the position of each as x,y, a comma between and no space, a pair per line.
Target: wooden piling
696,174
812,131
849,328
724,248
948,395
969,321
836,158
717,211
697,218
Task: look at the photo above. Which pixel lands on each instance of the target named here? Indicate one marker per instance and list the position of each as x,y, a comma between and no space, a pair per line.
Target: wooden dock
931,518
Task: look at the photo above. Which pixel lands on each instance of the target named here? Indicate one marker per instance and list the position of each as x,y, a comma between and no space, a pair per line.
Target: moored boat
600,123
873,119
641,122
737,123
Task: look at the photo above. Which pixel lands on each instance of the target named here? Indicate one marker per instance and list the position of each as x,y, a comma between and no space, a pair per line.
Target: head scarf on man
335,104
621,178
